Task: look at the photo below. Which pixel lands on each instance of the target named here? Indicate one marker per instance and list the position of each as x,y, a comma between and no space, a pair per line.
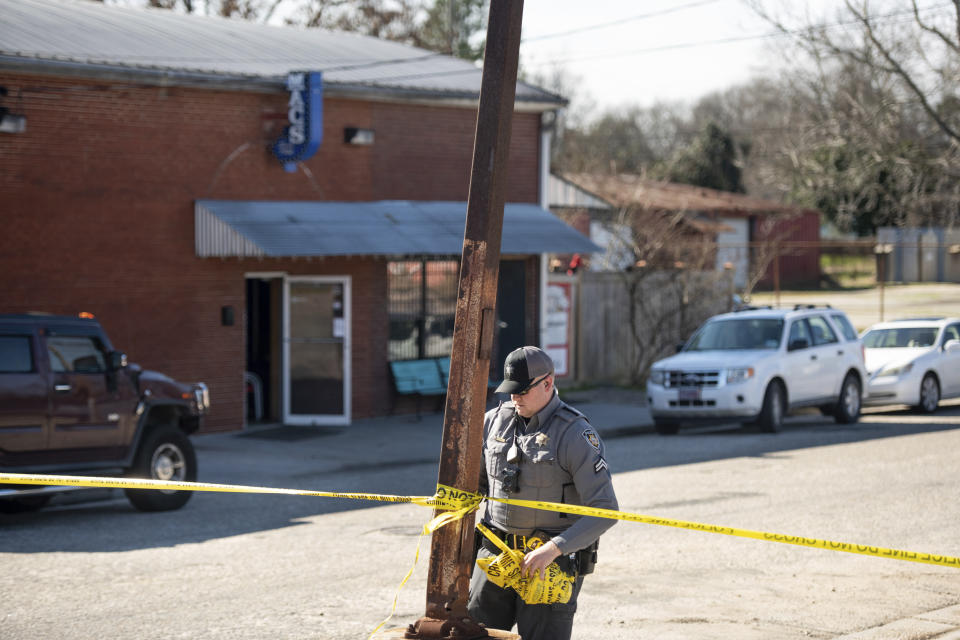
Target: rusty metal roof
636,192
83,37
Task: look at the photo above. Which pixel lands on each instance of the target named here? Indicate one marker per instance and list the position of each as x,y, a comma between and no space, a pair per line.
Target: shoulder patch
591,437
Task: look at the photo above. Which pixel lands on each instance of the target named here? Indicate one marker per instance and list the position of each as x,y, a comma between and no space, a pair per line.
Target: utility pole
451,552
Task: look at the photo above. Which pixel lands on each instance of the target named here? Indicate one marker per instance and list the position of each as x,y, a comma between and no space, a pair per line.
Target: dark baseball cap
523,367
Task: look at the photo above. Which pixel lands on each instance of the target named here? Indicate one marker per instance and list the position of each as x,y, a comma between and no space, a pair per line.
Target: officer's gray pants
500,608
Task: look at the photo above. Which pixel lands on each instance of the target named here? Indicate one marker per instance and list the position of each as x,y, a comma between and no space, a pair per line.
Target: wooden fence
625,321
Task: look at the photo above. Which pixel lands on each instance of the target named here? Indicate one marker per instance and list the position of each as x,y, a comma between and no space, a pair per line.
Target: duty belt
512,540
583,561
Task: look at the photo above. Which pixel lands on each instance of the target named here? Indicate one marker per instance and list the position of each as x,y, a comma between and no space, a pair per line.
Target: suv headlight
656,376
896,370
739,374
201,394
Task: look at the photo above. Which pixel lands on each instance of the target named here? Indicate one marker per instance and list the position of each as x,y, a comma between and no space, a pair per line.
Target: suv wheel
848,404
771,415
929,394
666,428
165,454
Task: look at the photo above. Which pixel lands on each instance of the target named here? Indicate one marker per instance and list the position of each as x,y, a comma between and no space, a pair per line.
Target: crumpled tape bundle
504,571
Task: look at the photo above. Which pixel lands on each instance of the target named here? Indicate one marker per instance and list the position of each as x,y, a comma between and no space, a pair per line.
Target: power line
427,56
893,17
617,23
399,60
471,69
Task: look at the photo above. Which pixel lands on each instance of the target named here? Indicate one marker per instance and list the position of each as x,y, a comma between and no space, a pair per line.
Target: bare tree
671,288
259,10
453,27
389,19
877,137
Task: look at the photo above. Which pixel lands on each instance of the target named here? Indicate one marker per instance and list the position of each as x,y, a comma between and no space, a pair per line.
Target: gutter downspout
547,123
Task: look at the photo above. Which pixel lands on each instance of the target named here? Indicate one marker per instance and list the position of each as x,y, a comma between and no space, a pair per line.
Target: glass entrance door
316,345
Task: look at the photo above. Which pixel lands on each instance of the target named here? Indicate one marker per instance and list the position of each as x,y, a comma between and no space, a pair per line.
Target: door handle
840,352
813,357
62,388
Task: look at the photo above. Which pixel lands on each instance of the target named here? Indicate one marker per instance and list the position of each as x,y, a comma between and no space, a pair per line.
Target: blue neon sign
303,135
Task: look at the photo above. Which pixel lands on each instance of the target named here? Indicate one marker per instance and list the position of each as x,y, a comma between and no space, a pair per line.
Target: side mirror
951,346
798,343
679,347
118,360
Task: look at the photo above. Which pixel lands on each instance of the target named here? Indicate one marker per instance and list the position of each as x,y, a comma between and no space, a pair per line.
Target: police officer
536,447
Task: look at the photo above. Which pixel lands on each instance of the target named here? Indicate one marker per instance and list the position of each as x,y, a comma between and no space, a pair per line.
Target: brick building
141,185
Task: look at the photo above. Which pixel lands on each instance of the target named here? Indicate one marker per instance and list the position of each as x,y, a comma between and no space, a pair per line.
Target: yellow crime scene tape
847,547
164,485
458,503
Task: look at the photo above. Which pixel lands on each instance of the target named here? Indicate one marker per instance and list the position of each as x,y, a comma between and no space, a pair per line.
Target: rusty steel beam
451,553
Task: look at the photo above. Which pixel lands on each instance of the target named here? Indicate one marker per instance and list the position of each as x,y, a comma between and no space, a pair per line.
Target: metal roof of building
634,192
562,194
385,228
79,36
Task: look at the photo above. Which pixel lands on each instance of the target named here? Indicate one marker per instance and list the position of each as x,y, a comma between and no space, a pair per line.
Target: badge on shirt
591,437
542,439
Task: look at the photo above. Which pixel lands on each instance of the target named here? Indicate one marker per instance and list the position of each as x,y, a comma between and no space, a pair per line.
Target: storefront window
422,299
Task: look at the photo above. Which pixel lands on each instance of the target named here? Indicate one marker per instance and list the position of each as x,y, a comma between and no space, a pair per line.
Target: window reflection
77,354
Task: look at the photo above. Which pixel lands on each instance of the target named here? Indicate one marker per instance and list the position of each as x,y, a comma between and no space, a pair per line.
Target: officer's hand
539,559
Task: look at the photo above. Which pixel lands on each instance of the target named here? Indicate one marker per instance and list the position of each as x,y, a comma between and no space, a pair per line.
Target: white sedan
914,362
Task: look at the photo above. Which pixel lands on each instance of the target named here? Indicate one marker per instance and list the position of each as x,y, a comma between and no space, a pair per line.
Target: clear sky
643,51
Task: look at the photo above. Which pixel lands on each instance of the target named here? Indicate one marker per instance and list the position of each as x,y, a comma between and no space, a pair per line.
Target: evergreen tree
711,161
450,25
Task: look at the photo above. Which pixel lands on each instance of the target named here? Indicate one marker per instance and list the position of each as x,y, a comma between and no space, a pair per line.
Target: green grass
849,271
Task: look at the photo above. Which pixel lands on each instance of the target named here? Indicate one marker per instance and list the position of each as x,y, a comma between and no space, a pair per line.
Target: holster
587,559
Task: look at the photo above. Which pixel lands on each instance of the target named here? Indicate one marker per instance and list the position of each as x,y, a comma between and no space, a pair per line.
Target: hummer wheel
165,454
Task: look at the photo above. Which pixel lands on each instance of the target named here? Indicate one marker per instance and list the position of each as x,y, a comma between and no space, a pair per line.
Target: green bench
427,377
420,378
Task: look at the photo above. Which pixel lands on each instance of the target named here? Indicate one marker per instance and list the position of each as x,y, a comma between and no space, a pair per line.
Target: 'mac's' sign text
302,136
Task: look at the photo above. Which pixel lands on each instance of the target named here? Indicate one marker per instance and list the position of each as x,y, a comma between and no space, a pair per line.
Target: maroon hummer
70,404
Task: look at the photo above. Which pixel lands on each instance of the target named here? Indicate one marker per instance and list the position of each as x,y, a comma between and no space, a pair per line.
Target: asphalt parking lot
257,566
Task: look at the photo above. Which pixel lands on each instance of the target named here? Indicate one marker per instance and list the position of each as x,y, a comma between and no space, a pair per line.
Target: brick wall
434,148
98,198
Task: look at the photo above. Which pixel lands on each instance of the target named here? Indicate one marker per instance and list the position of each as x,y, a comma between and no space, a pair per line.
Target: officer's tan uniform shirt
561,460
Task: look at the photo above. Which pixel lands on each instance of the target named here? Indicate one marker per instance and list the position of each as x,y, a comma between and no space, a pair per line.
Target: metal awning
257,229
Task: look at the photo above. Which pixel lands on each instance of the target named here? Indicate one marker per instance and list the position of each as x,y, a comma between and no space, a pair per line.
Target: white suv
755,365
